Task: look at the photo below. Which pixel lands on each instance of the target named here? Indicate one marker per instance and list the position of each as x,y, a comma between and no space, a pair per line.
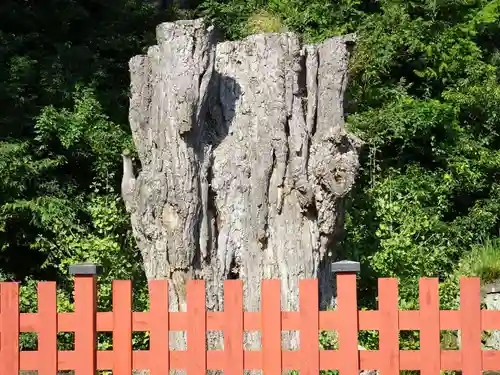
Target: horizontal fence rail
85,321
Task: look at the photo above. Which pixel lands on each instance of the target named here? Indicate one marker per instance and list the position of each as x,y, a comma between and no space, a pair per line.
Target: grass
483,261
264,22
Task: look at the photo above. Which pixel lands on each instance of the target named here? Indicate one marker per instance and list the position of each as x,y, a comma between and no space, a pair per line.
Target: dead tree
245,161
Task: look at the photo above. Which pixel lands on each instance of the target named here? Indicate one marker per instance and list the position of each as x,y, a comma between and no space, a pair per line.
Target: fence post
347,312
9,328
85,317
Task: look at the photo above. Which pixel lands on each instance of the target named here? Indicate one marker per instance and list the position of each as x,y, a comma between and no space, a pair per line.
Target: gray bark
245,161
490,296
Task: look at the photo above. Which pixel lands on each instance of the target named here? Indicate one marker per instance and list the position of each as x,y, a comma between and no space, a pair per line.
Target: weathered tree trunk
245,161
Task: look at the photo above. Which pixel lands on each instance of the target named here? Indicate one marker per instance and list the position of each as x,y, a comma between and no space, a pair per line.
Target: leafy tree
425,99
64,90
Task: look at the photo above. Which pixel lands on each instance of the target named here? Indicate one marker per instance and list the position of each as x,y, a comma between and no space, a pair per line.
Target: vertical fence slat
271,327
85,331
197,329
470,325
47,335
309,327
233,333
347,310
430,345
388,305
9,328
122,327
159,357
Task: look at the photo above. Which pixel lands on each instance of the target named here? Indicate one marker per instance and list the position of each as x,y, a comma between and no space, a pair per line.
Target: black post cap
85,269
345,266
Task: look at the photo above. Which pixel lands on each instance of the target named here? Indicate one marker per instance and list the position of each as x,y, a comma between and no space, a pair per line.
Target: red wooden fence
309,359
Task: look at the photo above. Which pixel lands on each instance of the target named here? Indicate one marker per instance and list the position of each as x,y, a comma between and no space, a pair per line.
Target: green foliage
64,90
483,261
264,22
424,98
84,132
315,20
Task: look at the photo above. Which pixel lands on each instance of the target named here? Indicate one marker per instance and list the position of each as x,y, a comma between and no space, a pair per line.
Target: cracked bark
245,162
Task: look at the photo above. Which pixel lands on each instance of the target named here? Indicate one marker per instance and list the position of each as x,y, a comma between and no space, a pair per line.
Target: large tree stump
245,161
